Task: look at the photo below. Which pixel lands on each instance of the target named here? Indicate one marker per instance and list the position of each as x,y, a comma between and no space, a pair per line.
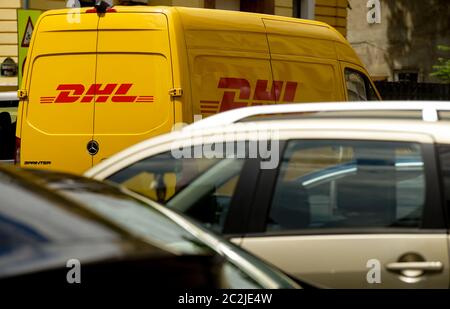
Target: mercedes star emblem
92,147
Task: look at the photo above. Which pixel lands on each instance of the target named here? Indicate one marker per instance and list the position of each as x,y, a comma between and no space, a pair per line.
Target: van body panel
289,38
57,126
304,62
223,80
219,20
107,77
346,53
307,79
229,61
133,60
183,111
226,40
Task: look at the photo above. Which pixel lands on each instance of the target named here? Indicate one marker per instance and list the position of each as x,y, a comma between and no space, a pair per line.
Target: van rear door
61,66
133,79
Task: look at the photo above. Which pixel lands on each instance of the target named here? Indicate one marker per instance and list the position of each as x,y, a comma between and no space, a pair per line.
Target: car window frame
433,211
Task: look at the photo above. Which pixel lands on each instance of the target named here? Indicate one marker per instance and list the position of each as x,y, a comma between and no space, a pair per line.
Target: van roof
214,19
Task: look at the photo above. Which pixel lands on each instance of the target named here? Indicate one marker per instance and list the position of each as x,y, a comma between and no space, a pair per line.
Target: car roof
426,110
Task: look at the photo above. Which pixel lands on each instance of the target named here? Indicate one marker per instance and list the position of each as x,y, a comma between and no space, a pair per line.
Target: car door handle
424,266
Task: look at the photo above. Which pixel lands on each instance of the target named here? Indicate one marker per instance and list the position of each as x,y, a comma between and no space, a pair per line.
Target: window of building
259,6
232,5
303,9
406,76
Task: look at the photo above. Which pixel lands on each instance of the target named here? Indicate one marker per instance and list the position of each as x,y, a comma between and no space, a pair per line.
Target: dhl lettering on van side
71,93
242,87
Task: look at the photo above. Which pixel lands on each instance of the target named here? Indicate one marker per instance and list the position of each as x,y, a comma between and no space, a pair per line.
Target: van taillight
17,152
94,10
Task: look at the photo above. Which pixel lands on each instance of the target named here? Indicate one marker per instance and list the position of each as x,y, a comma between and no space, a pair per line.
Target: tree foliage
442,67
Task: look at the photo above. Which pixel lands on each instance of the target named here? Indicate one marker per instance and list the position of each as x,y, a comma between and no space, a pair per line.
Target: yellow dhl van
97,82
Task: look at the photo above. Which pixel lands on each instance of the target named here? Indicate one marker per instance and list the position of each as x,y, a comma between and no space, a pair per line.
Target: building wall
284,8
334,13
232,5
369,40
46,4
188,3
8,39
404,41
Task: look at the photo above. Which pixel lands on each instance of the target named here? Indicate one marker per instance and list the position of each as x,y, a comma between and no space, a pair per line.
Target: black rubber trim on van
236,222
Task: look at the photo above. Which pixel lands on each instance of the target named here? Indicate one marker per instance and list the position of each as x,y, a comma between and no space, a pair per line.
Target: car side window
202,188
208,197
359,87
161,176
347,185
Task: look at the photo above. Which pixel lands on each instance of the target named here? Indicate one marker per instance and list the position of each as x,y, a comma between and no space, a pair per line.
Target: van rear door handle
424,266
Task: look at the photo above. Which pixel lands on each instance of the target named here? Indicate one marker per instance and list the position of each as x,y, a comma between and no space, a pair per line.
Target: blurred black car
49,220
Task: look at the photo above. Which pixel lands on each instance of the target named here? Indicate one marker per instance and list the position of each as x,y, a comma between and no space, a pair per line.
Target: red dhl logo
262,95
71,93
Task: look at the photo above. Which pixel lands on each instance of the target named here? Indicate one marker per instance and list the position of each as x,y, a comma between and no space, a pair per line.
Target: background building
332,12
403,46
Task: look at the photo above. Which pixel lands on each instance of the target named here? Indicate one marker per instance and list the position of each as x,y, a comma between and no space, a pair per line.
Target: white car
350,199
426,110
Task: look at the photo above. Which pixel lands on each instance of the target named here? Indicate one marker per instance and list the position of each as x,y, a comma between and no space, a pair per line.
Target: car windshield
135,215
48,221
38,230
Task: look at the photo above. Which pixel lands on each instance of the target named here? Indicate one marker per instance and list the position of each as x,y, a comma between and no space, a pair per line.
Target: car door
355,214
